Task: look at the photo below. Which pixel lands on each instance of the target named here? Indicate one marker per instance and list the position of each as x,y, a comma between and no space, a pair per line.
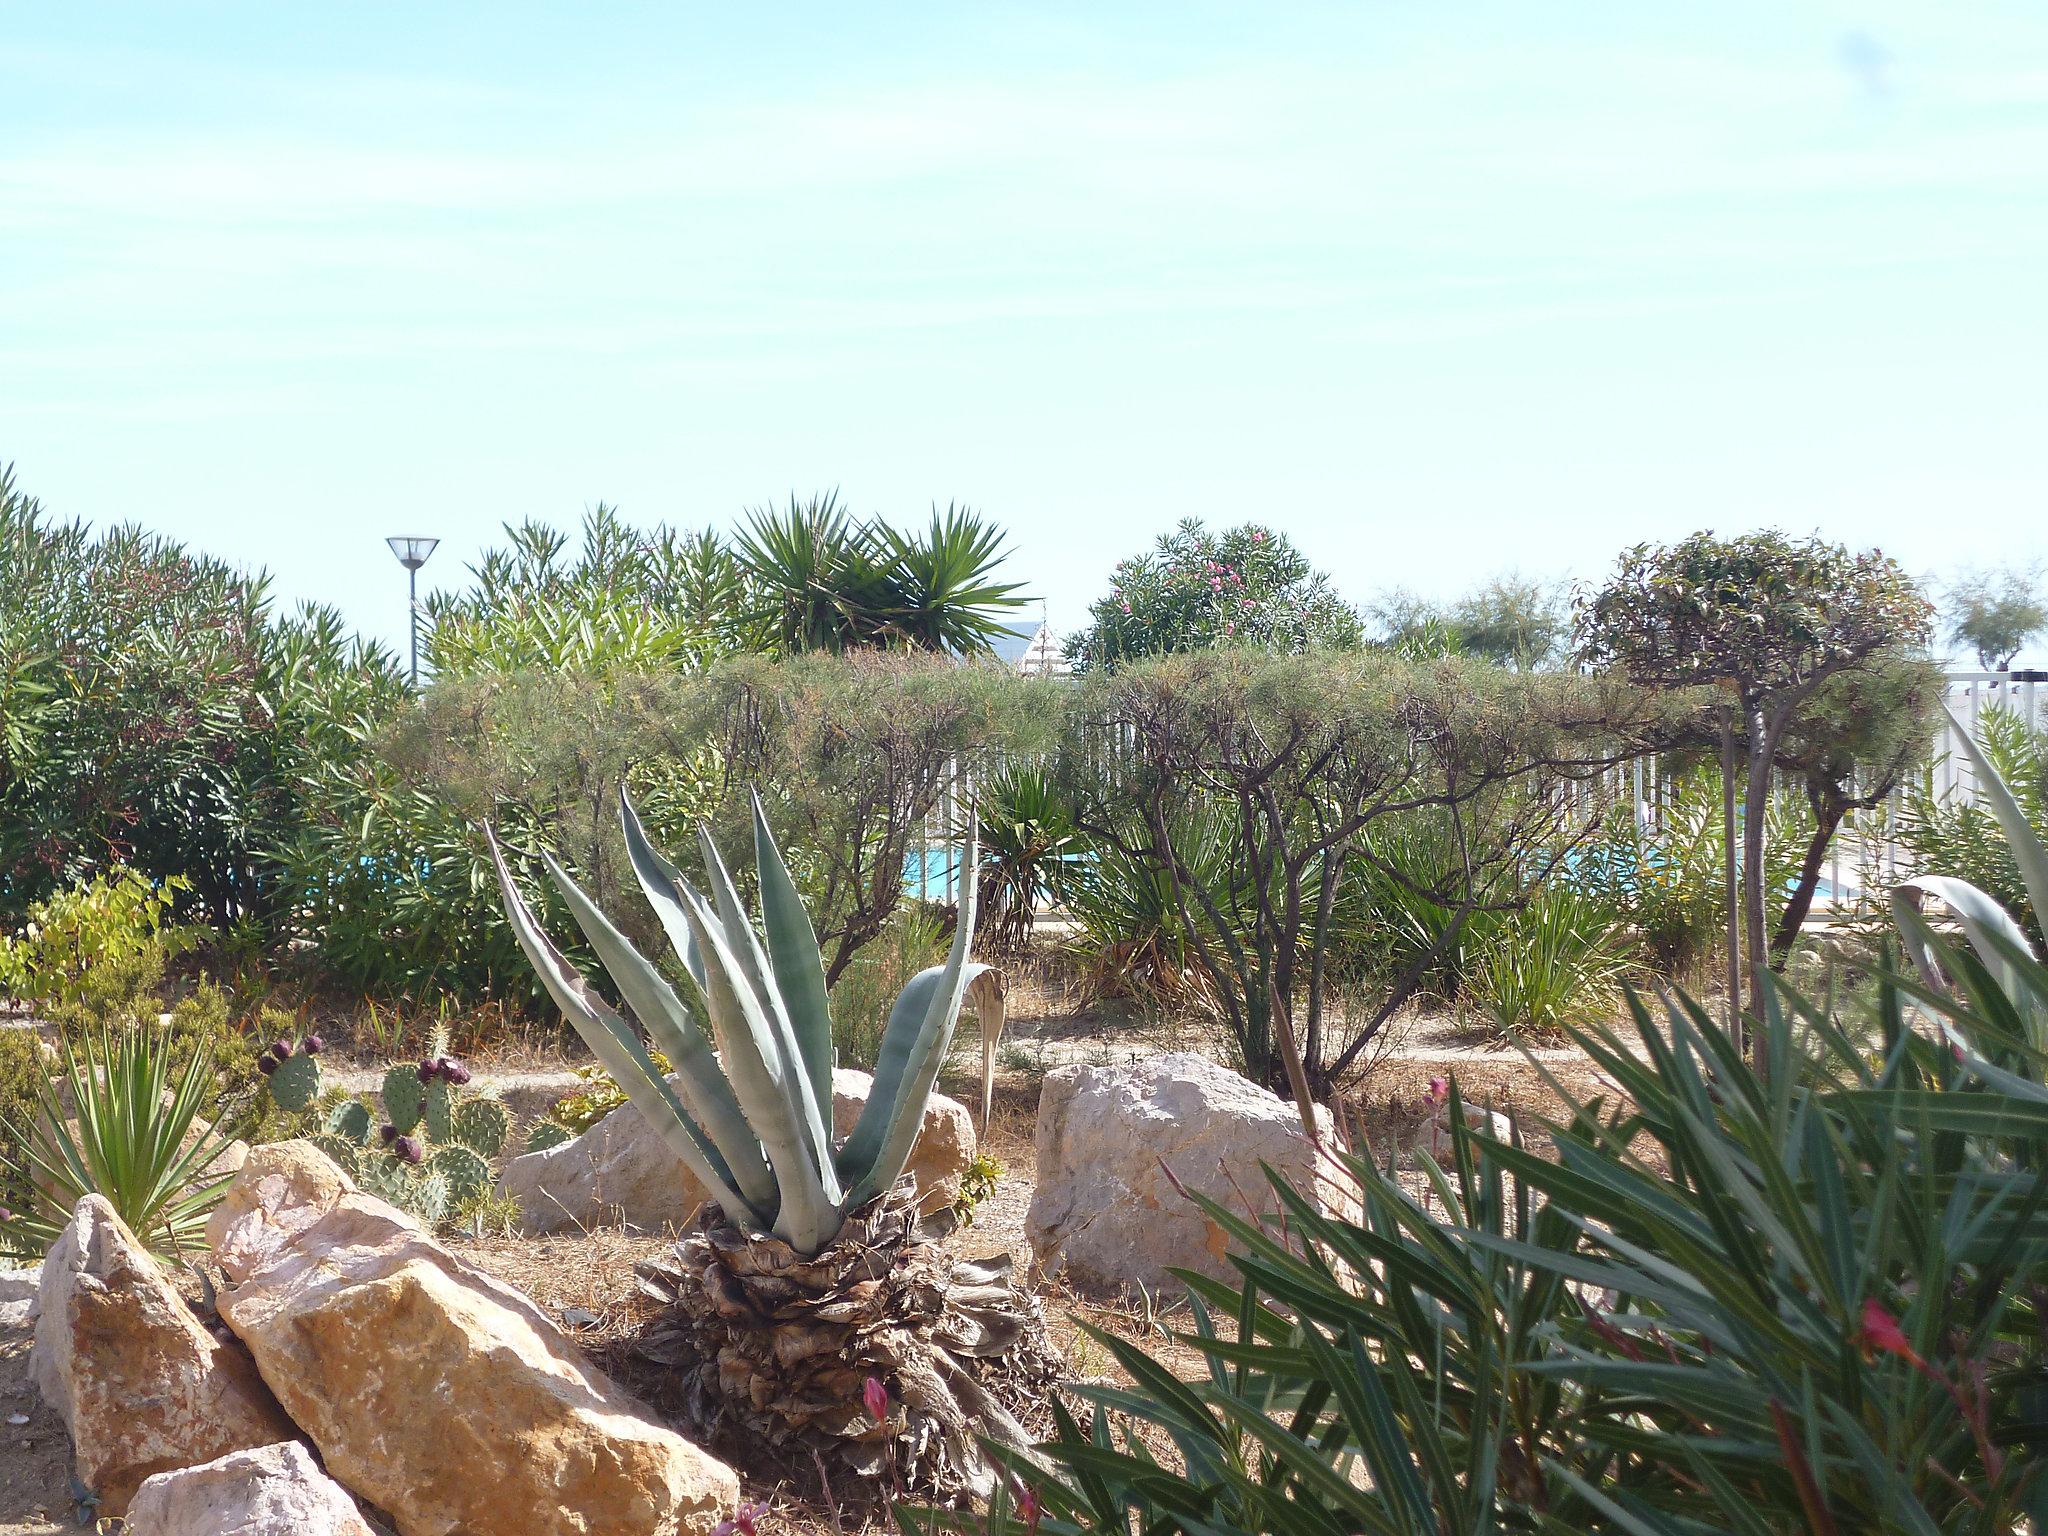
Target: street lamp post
412,554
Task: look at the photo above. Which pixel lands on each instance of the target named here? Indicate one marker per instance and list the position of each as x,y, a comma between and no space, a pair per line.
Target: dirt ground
586,1280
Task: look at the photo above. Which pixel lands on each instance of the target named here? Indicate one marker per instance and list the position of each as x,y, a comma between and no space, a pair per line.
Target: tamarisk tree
1294,760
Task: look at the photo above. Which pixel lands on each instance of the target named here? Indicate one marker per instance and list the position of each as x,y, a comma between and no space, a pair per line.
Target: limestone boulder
431,1389
274,1490
137,1378
1112,1141
621,1171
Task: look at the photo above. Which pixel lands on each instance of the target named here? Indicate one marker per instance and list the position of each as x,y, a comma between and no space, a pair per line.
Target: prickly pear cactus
343,1151
466,1173
482,1125
547,1133
403,1096
421,1194
350,1120
438,1111
295,1082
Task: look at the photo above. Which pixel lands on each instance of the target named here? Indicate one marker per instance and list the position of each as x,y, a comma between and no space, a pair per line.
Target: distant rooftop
1032,649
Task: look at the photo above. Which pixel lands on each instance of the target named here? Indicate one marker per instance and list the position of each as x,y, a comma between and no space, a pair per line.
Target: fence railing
1863,851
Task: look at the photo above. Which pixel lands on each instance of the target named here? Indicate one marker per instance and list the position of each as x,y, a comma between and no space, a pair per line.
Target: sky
1439,290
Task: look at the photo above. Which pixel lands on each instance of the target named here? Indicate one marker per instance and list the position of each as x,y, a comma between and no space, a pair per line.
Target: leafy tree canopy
1247,586
1995,613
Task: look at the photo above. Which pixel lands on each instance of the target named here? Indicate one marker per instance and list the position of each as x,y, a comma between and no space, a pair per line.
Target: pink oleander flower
1880,1332
1230,629
742,1522
876,1396
1258,536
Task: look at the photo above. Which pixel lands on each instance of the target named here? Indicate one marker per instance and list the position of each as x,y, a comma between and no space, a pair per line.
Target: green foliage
977,1184
630,600
437,1111
1294,763
1960,836
111,921
752,1120
1551,963
464,1171
1247,586
824,581
1798,1299
118,1122
25,1067
1995,614
1510,620
1027,838
1791,1308
1665,881
577,1112
913,940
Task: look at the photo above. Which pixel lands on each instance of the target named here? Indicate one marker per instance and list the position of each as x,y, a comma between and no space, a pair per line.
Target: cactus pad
350,1120
466,1173
482,1125
403,1093
438,1110
296,1082
342,1151
547,1133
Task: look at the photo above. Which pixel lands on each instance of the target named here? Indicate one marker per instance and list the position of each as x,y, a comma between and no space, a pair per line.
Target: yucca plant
137,1138
812,1323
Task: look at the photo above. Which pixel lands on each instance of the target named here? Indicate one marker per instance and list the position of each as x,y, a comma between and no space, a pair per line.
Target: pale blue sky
1439,289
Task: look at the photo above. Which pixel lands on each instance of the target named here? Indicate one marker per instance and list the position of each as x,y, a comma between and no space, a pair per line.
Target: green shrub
1547,965
1960,837
110,922
911,940
126,1126
1784,1286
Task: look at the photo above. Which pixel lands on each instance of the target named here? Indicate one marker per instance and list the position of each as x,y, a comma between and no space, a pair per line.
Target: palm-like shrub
807,1275
132,1133
1027,833
1803,1298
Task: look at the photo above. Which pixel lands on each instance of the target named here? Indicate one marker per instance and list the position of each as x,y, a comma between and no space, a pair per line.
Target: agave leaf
663,883
613,1044
2027,851
991,1011
793,951
702,1084
809,1216
755,977
1981,917
875,1154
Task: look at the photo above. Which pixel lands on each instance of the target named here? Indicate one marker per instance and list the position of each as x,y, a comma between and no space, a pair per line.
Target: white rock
275,1490
621,1171
1106,1211
433,1390
138,1380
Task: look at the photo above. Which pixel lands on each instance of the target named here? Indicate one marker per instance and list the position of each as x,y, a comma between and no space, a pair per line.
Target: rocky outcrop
621,1171
138,1380
275,1490
1111,1144
432,1390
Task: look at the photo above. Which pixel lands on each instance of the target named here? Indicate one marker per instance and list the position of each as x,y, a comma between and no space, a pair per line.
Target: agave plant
808,1274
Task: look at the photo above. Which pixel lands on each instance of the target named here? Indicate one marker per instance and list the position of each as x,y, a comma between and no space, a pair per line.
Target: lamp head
412,553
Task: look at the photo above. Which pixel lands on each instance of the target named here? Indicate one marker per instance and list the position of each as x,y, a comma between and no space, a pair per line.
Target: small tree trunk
1756,803
1728,887
1828,812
